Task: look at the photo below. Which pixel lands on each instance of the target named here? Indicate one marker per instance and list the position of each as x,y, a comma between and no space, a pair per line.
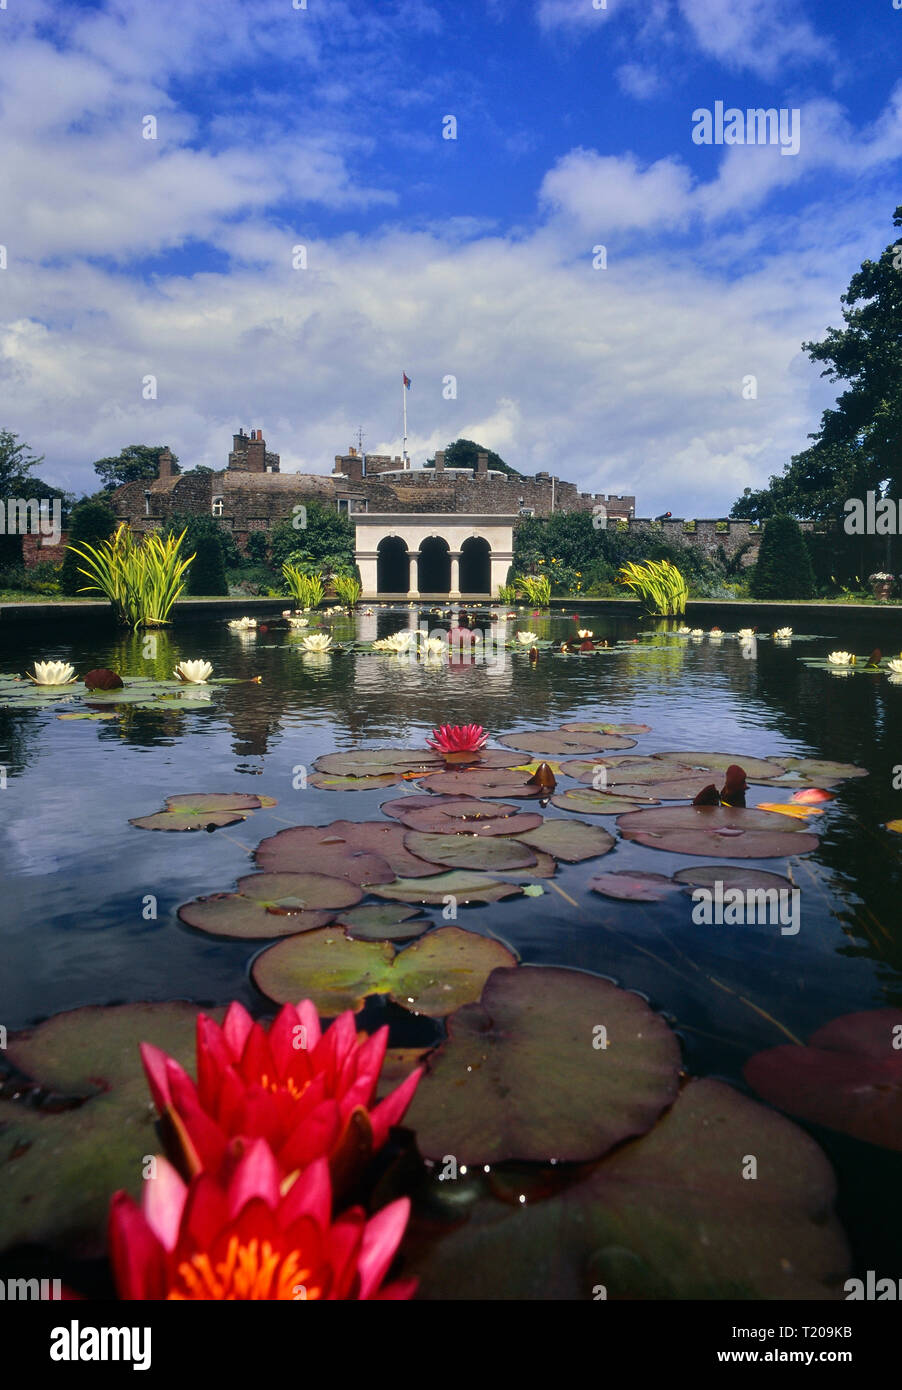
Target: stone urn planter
881,585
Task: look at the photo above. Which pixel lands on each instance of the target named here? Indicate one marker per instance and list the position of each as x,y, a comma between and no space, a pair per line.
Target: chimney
482,465
439,460
256,453
164,463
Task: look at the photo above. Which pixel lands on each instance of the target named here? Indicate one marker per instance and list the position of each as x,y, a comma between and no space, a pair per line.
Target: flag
406,380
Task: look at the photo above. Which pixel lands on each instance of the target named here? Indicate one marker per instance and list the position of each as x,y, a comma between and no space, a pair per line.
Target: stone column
414,580
501,561
454,591
368,565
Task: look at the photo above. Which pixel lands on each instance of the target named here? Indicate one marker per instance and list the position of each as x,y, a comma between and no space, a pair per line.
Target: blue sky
471,258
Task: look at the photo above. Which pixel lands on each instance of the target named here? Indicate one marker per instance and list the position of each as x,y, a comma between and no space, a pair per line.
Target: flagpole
404,403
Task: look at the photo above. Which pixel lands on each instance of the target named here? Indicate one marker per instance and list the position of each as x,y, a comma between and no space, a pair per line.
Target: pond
91,904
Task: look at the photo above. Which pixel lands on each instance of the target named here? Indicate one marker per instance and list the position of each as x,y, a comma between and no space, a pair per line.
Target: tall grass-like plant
348,588
658,585
507,593
142,580
535,588
306,589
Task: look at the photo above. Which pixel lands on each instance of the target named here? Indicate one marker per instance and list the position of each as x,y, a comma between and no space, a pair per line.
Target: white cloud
638,81
611,192
763,37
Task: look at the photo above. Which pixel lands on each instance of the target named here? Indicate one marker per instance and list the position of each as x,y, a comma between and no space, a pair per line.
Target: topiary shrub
206,573
784,563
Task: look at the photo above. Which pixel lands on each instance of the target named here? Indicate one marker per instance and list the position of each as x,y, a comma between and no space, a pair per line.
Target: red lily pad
364,852
717,830
59,1166
732,876
437,974
521,1078
402,804
199,812
456,851
587,802
849,1077
592,728
485,758
272,905
492,782
471,817
632,887
555,743
383,922
466,886
666,1216
570,840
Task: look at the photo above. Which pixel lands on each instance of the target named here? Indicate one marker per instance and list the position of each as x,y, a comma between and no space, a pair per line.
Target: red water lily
249,1239
307,1093
458,738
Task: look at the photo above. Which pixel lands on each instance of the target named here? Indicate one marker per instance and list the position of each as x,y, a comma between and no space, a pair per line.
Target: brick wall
37,550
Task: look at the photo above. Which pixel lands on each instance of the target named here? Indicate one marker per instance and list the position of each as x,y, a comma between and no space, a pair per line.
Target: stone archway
392,566
434,571
476,566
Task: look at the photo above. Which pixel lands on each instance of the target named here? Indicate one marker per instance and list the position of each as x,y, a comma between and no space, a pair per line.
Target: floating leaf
328,782
465,886
710,763
663,1217
438,973
591,728
732,876
634,770
375,762
521,1076
383,922
59,1168
571,840
587,802
533,890
457,851
633,887
471,817
780,808
675,789
716,830
271,905
90,714
492,782
554,743
199,811
402,804
819,769
849,1077
365,851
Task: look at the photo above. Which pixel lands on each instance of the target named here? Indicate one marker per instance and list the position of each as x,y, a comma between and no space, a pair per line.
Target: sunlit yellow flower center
288,1086
251,1271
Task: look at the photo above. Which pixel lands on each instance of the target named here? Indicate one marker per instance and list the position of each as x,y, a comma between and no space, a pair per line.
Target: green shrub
784,563
257,548
658,584
92,522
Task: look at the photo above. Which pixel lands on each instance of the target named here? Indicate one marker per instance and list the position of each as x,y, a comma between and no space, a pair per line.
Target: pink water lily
458,738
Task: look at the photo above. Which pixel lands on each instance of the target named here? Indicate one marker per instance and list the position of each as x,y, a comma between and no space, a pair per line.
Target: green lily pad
668,1216
717,830
375,762
470,851
732,876
592,728
587,802
711,764
488,783
89,714
438,973
848,1078
329,782
271,905
819,770
364,851
521,1076
466,887
383,922
199,811
471,817
555,743
59,1168
676,789
633,769
571,840
633,887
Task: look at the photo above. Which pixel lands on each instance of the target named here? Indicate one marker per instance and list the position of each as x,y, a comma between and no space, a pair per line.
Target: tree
16,462
213,548
136,461
463,454
91,523
328,537
784,564
856,450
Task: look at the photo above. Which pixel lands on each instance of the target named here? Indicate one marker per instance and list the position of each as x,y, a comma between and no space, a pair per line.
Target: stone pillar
454,591
439,460
368,565
482,465
414,580
500,561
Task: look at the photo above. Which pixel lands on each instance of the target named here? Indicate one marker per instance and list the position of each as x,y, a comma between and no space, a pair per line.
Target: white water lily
299,622
398,642
697,632
584,633
782,633
526,639
434,646
317,642
746,633
684,630
52,673
716,632
841,659
242,624
193,672
895,665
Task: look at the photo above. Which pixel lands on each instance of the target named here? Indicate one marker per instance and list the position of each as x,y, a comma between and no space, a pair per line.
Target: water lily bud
103,679
543,777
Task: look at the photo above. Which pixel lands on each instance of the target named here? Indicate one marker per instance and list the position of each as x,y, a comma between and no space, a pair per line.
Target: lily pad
457,851
89,714
466,886
732,876
634,770
817,770
329,782
709,764
849,1077
520,1076
675,789
402,804
633,887
667,1216
272,905
489,783
571,840
383,922
60,1167
360,851
592,728
471,817
556,743
717,830
587,802
374,762
434,976
200,811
